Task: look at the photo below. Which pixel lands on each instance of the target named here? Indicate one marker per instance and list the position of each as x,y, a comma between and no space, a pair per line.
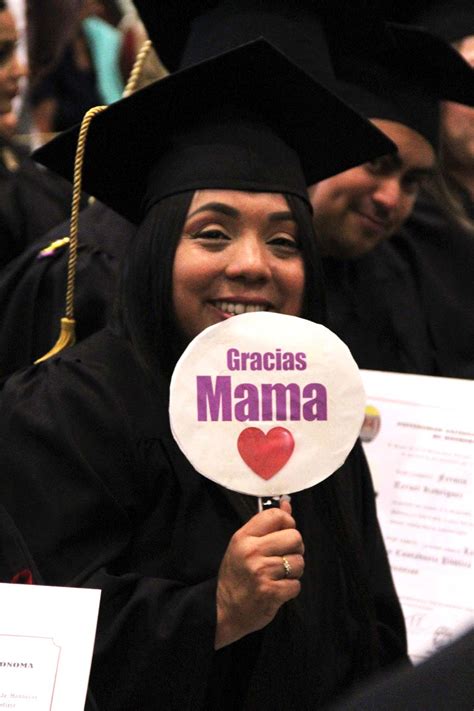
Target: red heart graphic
265,454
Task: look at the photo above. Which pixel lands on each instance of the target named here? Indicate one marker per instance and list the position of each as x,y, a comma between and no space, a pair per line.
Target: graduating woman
197,609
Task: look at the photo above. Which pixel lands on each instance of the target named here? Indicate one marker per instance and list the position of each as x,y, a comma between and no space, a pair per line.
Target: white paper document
46,642
419,436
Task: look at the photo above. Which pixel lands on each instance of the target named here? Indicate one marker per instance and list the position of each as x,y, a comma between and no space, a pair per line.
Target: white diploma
422,462
46,642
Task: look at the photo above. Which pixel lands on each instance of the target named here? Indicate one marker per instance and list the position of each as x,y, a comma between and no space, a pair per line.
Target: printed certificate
46,642
419,440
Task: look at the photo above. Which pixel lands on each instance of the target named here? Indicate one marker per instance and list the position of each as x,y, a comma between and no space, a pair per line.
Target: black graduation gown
33,288
32,200
104,498
375,308
440,254
408,306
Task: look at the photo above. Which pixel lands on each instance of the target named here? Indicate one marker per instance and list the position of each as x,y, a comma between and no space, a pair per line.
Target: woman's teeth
234,309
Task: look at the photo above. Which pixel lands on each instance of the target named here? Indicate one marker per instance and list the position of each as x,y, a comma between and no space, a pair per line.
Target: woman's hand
252,583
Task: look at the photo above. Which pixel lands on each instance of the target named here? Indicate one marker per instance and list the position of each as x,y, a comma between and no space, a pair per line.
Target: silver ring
286,566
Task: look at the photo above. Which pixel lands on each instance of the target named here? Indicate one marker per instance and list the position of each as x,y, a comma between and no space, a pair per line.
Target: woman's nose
249,259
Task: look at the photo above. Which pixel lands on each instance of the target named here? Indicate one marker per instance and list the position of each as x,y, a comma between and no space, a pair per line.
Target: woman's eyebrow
216,207
232,212
277,216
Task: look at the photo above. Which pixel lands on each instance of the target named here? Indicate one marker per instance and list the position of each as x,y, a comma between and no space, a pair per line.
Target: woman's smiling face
239,252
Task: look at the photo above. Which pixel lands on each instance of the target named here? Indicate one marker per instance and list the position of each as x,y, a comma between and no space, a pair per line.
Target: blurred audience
50,27
32,200
87,72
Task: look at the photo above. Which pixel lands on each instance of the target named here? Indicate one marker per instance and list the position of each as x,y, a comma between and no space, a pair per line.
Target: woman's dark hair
145,309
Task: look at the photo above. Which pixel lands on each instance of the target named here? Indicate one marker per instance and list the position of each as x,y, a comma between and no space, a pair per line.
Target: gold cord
137,68
67,336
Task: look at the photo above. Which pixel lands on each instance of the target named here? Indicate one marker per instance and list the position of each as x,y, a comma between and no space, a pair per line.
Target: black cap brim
437,66
126,140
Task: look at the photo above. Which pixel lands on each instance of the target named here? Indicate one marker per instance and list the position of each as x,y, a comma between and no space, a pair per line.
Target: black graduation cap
450,19
405,79
237,121
185,33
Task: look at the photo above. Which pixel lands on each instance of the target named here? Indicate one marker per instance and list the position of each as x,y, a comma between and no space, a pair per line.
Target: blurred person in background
437,242
454,21
50,25
86,74
31,200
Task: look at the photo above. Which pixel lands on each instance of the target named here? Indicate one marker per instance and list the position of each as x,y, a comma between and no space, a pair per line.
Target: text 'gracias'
218,399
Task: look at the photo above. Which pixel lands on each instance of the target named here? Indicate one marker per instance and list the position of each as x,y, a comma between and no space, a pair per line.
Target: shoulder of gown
33,286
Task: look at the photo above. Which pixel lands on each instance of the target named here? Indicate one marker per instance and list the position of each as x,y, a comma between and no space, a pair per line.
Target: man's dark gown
103,497
374,307
408,305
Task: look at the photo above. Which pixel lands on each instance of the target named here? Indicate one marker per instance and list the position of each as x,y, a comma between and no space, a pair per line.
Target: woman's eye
283,242
211,234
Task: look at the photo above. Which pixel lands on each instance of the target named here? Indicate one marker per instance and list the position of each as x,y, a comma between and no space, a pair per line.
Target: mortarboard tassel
67,334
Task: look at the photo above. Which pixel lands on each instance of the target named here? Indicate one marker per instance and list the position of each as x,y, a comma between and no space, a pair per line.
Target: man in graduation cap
406,305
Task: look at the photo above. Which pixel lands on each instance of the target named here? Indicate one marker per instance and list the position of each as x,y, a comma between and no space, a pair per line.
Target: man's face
457,122
357,209
11,69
